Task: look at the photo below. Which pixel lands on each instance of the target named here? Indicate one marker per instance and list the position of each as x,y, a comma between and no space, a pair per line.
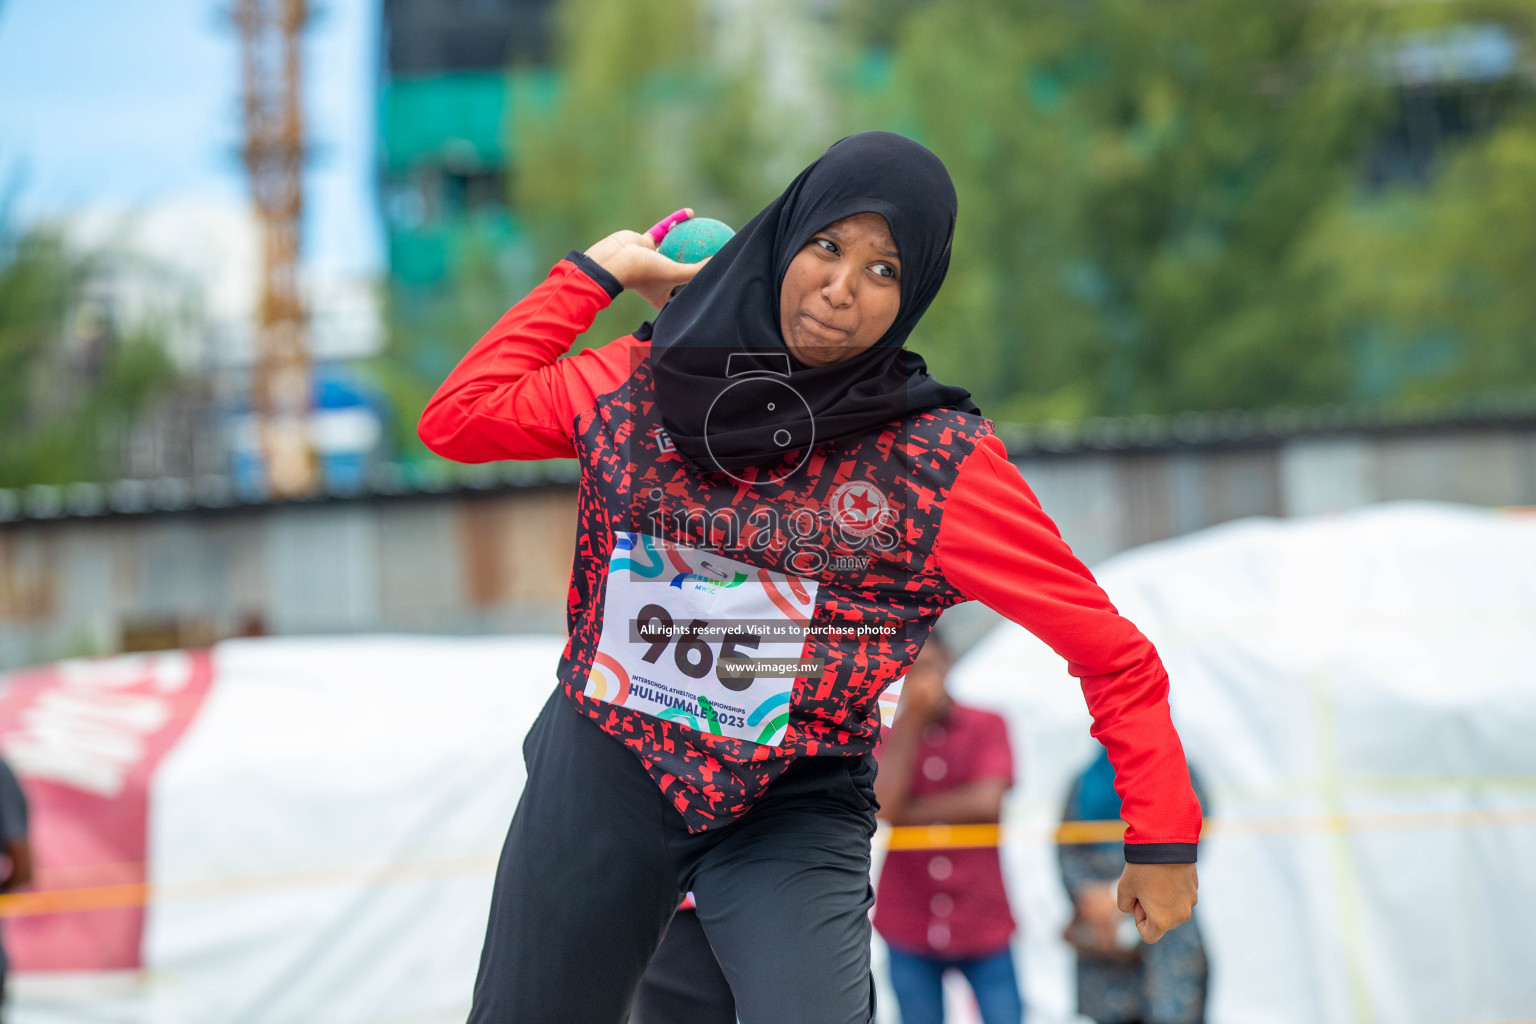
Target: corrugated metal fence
488,549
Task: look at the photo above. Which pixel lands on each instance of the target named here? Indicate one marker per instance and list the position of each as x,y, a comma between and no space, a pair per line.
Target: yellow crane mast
282,390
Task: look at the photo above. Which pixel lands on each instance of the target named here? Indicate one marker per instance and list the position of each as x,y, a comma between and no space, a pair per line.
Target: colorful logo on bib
709,575
637,553
773,727
608,680
701,640
860,508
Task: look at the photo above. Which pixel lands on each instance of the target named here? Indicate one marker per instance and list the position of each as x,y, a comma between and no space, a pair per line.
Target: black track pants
683,984
596,861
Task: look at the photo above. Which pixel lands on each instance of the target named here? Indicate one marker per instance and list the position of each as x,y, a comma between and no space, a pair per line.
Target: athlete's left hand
1162,896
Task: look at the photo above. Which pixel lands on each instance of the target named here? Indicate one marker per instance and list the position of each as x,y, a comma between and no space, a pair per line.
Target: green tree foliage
63,417
658,108
655,107
1435,286
1163,206
429,330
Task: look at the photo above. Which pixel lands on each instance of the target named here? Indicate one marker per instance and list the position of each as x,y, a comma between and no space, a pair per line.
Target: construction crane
282,390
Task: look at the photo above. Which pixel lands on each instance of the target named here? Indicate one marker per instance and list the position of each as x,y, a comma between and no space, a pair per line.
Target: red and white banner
271,831
86,737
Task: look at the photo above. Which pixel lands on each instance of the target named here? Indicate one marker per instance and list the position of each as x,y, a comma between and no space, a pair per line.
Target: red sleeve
998,547
512,396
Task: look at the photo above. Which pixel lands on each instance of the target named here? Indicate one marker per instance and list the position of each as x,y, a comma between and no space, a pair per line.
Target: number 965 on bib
705,641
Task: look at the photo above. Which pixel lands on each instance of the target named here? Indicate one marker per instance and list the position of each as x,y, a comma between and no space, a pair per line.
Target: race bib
702,640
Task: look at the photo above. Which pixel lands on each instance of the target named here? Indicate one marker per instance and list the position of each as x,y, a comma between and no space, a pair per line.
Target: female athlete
776,503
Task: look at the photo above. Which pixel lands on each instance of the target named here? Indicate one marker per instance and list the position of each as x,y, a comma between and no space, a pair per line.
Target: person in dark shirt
1120,979
943,763
18,851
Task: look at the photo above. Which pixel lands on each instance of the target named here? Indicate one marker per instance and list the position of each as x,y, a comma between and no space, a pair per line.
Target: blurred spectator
18,851
684,983
944,763
1120,979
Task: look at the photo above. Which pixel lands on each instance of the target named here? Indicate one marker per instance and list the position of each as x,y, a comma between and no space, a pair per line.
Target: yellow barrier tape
1072,833
63,901
944,837
904,837
106,897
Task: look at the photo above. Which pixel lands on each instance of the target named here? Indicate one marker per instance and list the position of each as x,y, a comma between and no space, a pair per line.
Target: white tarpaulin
304,831
1358,693
321,838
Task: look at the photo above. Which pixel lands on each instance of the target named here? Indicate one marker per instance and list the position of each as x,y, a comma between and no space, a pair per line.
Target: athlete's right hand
631,257
1162,896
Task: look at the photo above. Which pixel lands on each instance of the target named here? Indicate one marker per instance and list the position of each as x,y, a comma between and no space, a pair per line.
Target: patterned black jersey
723,624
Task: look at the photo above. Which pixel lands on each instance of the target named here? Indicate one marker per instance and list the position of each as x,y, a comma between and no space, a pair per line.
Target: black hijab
722,331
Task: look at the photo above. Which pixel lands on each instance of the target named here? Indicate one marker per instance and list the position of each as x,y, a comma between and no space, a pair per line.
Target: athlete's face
842,291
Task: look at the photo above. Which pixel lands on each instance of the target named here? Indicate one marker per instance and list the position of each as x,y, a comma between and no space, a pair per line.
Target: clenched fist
1162,896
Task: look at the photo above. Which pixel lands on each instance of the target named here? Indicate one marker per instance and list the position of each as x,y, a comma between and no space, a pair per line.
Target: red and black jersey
851,549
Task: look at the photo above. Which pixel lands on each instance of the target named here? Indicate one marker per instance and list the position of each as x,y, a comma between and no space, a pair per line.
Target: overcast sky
123,103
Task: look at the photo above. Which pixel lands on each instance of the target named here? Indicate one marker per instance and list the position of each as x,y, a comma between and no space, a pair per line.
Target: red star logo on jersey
860,507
